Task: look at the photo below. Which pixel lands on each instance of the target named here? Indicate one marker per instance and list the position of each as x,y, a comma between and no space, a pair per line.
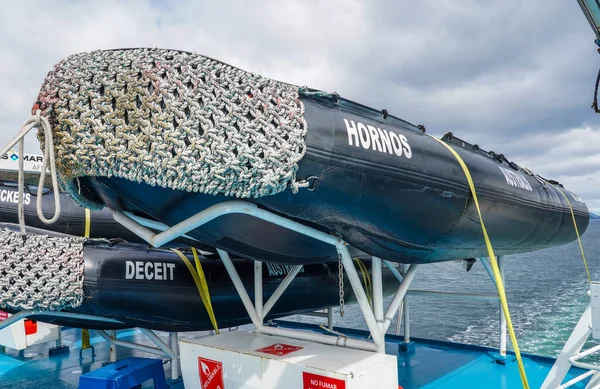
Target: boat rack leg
67,315
377,292
258,290
406,316
173,338
571,354
59,348
377,322
330,318
502,317
501,358
162,348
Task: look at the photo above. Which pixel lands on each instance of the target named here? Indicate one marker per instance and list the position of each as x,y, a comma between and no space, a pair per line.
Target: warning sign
211,373
315,381
279,349
3,315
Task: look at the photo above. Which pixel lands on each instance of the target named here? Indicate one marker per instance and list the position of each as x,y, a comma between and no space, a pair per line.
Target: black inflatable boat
153,288
382,184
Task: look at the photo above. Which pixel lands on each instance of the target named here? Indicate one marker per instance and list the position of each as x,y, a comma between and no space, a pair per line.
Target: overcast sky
513,76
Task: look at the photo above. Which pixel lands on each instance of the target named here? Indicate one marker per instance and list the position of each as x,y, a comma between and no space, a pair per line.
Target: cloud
512,76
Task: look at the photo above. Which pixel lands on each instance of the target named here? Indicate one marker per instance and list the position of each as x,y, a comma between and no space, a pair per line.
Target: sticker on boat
375,138
140,270
515,179
11,196
276,269
577,198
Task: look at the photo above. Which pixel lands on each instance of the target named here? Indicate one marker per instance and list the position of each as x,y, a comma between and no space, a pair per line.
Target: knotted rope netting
40,272
174,119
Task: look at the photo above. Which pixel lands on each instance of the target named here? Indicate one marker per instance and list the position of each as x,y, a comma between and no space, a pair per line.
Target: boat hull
153,288
415,207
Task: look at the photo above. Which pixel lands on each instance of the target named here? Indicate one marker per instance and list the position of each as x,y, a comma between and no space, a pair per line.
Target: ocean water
546,293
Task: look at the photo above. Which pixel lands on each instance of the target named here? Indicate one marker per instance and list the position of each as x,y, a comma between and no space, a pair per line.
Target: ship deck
426,364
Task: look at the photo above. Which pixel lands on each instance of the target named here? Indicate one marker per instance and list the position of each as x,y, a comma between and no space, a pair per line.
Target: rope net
173,119
40,272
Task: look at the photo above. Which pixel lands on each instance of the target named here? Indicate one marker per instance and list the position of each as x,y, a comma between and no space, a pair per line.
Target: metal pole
314,314
213,212
399,296
502,317
488,268
280,289
330,318
377,292
394,270
59,340
175,358
573,346
405,313
68,315
454,295
157,341
361,298
113,346
134,346
320,338
258,290
239,286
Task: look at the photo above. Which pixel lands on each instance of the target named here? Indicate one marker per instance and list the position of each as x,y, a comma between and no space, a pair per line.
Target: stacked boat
168,134
162,135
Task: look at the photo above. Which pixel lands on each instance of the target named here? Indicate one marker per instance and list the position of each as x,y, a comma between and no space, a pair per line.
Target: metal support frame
571,354
441,294
170,351
173,338
112,342
163,349
326,313
377,321
59,340
66,315
591,16
406,312
503,329
502,317
330,318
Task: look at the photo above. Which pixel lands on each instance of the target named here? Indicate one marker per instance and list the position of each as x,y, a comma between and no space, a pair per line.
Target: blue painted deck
429,365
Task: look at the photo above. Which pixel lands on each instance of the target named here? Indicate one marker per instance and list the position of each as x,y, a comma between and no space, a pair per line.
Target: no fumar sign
315,381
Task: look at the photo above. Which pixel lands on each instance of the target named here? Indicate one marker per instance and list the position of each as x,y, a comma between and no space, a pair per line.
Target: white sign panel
32,162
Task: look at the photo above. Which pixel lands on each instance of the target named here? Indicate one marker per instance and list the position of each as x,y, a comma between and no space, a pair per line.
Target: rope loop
40,122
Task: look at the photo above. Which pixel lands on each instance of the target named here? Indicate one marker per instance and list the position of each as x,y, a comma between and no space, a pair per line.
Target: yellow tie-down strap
201,284
85,333
88,223
494,263
587,270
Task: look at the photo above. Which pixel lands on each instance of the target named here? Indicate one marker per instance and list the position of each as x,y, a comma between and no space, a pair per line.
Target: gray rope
173,119
43,126
40,272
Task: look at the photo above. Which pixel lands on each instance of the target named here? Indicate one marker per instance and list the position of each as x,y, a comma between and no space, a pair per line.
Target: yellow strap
201,285
85,334
587,270
88,223
85,339
494,263
366,278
